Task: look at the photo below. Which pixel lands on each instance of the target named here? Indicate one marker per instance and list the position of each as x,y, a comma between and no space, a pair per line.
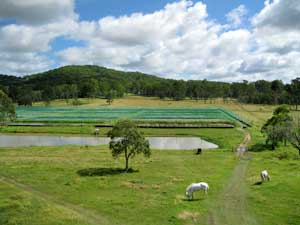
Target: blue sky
89,10
228,40
217,9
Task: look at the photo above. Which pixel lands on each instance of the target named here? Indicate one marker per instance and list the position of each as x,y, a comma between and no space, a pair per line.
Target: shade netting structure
97,114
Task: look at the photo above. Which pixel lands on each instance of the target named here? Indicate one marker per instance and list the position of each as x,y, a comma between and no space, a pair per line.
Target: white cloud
178,41
25,63
280,14
24,45
31,43
236,16
37,11
277,29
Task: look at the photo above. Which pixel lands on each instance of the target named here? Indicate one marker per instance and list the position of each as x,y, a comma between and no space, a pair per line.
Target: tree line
73,82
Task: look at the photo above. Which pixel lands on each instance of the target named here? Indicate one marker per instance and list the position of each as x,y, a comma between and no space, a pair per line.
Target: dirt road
231,206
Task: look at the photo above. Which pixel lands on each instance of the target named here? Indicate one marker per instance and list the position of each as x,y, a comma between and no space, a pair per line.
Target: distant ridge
90,81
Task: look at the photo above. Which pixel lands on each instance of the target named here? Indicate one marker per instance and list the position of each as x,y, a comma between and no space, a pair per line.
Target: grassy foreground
277,201
22,207
80,185
51,182
86,177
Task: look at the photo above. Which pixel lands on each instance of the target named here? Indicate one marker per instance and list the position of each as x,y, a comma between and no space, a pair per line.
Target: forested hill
77,74
72,82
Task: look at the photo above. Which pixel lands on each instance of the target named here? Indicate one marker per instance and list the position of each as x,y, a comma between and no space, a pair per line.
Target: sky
223,40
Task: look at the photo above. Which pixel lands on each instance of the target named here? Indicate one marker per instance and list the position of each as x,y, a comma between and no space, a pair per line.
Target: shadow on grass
258,183
91,172
259,147
192,200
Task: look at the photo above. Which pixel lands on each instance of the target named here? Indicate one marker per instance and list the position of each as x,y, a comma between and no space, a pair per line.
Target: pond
162,143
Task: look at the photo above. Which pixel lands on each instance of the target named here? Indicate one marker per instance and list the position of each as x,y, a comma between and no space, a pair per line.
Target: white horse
264,176
96,131
196,187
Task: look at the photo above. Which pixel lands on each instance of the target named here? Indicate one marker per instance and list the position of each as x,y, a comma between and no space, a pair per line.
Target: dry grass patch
134,185
178,199
187,215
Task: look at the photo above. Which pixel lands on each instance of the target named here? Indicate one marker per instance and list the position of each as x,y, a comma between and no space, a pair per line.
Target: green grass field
53,185
154,195
277,201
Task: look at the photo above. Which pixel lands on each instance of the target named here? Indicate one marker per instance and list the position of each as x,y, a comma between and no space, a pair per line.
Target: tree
25,96
89,88
127,140
277,88
110,96
294,136
295,92
48,93
277,127
119,90
178,90
73,89
7,108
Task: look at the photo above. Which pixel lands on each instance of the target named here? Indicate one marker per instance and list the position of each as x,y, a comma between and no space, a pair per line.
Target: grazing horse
264,176
96,131
196,187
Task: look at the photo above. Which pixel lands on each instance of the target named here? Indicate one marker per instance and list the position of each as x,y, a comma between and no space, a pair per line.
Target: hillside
75,74
72,82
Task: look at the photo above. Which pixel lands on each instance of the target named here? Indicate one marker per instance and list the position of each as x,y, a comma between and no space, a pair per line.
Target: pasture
84,185
277,201
59,179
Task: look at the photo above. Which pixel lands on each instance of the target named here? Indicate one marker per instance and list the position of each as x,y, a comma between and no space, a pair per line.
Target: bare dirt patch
186,215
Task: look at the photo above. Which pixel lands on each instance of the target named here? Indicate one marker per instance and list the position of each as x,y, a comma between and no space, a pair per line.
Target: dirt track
87,215
231,206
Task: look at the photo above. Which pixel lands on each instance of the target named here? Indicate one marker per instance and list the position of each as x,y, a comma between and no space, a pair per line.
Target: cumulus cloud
22,64
179,41
237,15
280,14
37,11
277,28
31,43
23,45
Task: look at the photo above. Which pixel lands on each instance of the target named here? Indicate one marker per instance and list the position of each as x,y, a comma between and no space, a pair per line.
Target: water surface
163,143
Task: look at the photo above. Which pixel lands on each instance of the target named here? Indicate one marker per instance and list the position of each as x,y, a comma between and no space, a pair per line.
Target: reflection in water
165,143
179,143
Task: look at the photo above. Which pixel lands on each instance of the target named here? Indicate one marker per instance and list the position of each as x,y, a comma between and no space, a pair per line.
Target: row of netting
39,114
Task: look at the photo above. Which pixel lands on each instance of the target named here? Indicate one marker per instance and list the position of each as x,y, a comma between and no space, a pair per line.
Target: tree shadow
258,183
91,172
259,147
192,200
